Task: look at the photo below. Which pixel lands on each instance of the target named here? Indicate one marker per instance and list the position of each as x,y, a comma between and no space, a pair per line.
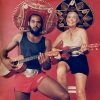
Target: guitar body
4,71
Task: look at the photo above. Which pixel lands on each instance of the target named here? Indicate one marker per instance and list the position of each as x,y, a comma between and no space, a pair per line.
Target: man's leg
22,96
53,89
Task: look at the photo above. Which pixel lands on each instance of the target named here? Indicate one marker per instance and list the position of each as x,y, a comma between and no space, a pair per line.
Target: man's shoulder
18,36
19,33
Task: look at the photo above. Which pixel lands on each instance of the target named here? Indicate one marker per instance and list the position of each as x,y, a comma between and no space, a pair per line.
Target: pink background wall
8,30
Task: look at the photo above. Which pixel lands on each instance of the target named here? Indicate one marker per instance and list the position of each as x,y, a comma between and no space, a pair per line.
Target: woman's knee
62,67
61,63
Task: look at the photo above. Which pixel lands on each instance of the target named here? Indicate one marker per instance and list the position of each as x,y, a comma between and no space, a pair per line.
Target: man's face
35,25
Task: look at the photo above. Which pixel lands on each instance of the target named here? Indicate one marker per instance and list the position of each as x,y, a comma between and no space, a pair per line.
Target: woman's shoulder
63,33
82,32
81,29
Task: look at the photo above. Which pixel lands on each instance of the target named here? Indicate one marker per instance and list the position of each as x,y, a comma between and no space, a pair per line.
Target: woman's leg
52,89
22,96
61,73
80,85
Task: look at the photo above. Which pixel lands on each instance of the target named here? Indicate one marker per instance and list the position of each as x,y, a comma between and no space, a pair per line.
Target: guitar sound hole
15,62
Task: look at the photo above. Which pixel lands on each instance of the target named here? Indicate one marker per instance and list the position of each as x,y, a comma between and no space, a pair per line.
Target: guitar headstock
94,46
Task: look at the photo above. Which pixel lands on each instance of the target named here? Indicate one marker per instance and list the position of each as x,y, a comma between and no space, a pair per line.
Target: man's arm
4,53
47,64
44,59
48,45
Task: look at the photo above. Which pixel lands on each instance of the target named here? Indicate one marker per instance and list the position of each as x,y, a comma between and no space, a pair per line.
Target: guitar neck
90,47
25,59
69,50
29,58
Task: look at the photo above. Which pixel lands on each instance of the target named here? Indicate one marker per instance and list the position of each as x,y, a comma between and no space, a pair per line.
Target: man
33,43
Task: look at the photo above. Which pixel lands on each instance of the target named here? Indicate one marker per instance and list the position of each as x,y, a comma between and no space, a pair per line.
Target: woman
77,64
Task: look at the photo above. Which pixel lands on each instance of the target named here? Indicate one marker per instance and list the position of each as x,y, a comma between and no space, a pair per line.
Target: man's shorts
28,84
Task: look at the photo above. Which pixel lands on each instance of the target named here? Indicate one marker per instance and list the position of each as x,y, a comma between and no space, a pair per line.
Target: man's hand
8,63
44,61
41,58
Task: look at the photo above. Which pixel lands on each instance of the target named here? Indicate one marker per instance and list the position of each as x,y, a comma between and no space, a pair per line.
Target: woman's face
72,19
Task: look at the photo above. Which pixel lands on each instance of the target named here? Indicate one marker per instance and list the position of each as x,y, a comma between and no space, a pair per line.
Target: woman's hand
83,48
57,55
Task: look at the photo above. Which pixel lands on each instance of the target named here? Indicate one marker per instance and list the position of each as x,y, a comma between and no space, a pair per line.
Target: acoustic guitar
19,61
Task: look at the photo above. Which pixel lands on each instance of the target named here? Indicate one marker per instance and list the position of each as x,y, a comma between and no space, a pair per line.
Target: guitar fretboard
25,59
69,50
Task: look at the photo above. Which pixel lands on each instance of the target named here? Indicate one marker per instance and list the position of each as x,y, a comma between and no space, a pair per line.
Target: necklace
71,32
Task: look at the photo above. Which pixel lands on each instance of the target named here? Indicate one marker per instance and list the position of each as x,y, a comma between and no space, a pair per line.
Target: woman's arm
57,42
84,37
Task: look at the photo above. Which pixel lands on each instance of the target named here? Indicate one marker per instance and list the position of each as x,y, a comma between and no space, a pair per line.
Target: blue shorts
78,64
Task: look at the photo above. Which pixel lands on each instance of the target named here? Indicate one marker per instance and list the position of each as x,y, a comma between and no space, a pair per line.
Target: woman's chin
71,26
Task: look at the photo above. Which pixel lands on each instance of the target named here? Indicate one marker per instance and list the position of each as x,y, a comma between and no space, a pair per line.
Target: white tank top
75,42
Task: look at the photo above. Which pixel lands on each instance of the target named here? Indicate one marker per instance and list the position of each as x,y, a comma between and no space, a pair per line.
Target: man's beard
35,32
